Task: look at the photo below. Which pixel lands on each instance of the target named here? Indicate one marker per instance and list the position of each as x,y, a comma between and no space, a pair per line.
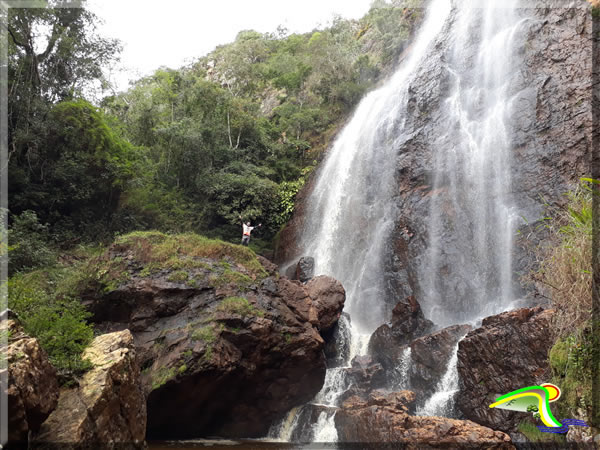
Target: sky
171,33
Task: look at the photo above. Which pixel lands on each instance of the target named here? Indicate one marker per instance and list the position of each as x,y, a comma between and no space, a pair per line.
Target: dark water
248,444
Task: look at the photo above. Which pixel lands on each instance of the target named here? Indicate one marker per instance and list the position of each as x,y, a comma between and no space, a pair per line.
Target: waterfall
465,270
472,219
400,375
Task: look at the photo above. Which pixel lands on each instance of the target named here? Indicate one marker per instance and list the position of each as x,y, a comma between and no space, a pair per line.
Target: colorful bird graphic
537,399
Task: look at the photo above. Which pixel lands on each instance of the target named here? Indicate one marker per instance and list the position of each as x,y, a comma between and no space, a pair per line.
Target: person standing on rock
246,230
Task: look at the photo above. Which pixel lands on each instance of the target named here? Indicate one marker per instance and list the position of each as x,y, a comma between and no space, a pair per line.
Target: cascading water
441,402
351,210
466,272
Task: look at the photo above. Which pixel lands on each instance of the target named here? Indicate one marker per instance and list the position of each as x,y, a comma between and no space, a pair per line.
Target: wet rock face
407,324
305,268
430,356
107,408
385,419
223,358
509,351
32,389
337,342
364,376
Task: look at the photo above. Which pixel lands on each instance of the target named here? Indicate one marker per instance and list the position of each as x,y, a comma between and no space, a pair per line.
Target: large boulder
328,297
509,351
107,408
385,419
32,389
226,345
407,324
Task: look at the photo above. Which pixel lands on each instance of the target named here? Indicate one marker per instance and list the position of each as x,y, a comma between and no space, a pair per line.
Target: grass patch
566,274
231,277
179,276
239,305
180,250
530,431
162,375
567,270
59,324
206,334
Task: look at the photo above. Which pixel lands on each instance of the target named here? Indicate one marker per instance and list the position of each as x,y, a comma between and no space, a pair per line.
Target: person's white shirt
247,229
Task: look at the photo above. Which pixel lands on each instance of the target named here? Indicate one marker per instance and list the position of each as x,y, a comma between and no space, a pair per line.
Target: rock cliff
32,389
107,409
226,345
509,351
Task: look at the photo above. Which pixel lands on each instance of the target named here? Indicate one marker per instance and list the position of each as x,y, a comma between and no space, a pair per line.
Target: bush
59,324
28,245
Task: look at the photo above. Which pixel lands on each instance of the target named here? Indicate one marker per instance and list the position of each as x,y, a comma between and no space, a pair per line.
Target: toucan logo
536,400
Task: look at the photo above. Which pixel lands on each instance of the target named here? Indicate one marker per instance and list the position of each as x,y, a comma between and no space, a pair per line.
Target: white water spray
350,211
441,402
468,269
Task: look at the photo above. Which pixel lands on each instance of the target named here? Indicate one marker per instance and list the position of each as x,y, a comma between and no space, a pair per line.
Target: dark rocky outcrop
509,351
337,342
363,377
384,419
226,345
107,409
407,324
305,269
32,389
430,355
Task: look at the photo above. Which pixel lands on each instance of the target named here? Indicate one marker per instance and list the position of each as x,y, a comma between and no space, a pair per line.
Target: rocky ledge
107,409
384,418
32,389
509,351
225,344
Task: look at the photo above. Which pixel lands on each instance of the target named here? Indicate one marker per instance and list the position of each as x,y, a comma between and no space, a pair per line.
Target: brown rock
430,355
298,300
270,267
32,384
107,408
384,419
225,352
407,324
509,351
328,297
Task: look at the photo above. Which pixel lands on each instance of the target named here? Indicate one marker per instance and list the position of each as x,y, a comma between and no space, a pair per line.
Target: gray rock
305,269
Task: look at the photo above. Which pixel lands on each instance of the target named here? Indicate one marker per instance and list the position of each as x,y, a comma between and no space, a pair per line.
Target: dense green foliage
234,133
58,322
